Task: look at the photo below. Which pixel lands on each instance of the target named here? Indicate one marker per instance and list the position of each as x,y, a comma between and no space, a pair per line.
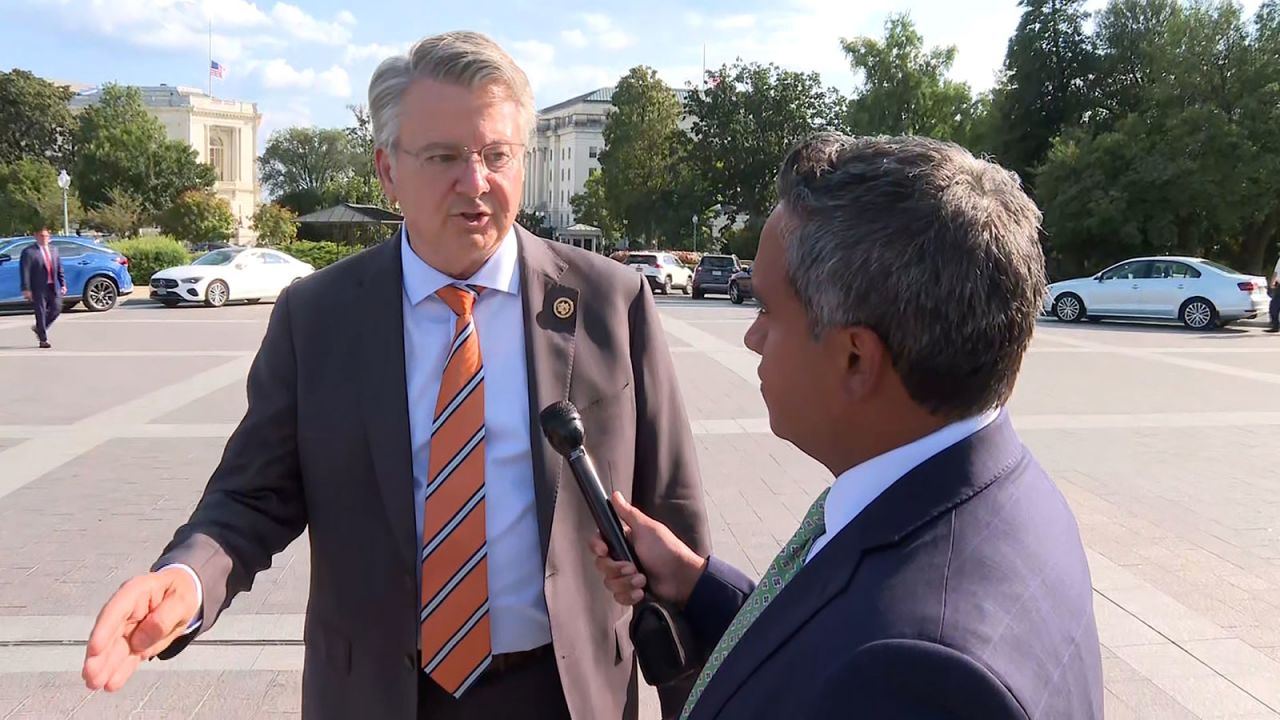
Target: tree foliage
199,216
30,197
35,122
274,224
300,164
904,88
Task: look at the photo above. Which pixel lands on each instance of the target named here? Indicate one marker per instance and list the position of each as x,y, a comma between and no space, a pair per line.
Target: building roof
351,214
602,95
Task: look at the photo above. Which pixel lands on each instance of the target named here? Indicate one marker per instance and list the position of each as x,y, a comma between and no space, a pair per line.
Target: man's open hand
144,616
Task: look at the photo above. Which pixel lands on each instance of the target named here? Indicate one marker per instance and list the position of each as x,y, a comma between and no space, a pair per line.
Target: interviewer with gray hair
942,574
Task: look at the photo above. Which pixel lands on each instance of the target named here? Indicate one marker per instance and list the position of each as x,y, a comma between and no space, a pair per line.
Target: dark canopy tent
351,223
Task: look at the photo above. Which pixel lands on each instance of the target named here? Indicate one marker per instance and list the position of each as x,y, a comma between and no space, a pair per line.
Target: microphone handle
602,511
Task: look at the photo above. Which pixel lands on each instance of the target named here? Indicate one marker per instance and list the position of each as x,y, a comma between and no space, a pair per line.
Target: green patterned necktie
784,567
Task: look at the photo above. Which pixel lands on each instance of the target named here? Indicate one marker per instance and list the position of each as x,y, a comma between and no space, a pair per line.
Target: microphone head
562,425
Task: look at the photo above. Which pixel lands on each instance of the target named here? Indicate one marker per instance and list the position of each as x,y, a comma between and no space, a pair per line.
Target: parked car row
714,274
98,276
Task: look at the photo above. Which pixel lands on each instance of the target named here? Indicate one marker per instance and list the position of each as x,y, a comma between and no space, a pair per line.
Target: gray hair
469,59
934,250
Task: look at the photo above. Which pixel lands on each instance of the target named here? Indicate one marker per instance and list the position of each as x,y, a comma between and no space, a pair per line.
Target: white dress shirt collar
421,281
859,486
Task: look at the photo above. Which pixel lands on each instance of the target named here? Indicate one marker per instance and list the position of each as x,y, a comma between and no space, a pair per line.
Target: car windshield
718,263
642,260
217,257
1220,268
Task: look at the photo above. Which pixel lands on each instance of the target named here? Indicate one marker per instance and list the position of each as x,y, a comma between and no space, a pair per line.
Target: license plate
717,273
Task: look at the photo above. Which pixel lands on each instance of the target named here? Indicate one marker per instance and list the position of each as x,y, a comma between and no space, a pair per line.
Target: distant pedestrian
1275,299
43,283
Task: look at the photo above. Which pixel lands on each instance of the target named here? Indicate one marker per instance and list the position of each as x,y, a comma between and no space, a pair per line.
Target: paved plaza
1165,442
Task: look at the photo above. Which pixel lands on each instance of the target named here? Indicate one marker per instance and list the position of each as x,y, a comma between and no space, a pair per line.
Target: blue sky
304,61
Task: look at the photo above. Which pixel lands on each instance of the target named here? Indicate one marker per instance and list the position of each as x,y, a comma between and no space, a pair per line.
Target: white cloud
296,22
601,31
574,38
278,74
376,52
694,19
346,18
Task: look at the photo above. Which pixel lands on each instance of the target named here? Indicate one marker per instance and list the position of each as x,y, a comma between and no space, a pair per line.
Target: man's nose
474,180
752,338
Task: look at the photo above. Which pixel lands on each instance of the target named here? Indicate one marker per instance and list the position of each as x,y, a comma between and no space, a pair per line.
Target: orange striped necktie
454,605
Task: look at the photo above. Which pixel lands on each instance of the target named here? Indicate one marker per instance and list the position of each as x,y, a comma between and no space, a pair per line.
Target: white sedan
1200,293
220,276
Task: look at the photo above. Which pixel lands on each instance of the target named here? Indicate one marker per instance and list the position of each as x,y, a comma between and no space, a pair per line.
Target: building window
218,158
570,153
593,151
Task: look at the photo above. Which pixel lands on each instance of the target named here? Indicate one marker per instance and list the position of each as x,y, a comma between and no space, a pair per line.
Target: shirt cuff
199,616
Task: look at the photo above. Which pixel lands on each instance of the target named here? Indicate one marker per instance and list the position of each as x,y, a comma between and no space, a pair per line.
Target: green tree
121,146
199,216
121,215
301,164
592,208
30,197
1045,89
1136,48
535,223
35,121
274,224
904,88
640,139
743,124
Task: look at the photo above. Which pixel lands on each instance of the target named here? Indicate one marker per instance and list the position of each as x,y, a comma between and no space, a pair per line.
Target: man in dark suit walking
942,575
393,415
43,283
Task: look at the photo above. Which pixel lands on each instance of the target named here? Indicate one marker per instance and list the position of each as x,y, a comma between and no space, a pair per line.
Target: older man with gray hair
391,411
942,574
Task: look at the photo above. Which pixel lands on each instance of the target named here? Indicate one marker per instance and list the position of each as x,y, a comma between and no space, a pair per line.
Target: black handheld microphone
659,635
563,427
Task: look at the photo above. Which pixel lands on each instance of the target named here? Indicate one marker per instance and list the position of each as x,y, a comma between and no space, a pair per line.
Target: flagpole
209,68
703,81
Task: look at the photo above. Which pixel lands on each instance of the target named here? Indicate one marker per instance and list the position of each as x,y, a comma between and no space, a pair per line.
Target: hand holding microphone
671,568
660,637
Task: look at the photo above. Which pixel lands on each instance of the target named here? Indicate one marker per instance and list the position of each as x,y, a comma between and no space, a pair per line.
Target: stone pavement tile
1142,700
119,505
238,694
16,688
135,332
1118,628
1246,667
1190,682
712,392
59,695
224,405
78,394
8,442
1166,615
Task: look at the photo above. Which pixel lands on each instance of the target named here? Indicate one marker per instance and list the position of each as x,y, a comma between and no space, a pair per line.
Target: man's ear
866,358
385,165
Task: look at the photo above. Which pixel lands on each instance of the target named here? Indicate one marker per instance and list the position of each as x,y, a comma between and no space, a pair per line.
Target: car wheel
666,285
1068,307
687,287
216,294
1198,314
735,295
100,294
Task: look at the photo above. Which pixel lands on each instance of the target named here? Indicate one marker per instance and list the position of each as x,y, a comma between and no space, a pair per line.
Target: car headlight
192,280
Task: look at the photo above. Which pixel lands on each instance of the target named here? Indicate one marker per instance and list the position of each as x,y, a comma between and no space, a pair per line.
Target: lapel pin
563,308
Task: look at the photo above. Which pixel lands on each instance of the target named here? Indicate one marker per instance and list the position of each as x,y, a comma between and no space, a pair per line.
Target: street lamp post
695,232
64,182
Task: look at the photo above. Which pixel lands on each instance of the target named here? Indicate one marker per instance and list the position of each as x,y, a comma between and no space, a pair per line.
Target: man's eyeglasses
497,157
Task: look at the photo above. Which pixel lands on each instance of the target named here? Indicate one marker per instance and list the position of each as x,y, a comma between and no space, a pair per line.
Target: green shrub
320,253
149,255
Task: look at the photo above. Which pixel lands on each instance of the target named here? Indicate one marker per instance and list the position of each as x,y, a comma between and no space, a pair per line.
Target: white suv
663,271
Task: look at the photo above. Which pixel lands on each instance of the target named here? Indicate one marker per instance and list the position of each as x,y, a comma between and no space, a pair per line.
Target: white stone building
563,153
224,134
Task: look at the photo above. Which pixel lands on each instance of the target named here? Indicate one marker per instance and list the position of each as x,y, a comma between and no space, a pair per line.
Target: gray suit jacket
961,592
325,446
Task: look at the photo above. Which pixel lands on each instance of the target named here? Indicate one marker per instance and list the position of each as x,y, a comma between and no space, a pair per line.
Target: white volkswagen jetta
220,276
1200,293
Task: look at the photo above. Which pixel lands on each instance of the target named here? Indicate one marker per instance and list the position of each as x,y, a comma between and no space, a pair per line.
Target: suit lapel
384,396
932,488
549,346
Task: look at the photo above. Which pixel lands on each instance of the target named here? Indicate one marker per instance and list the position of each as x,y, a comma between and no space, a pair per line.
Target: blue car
96,275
